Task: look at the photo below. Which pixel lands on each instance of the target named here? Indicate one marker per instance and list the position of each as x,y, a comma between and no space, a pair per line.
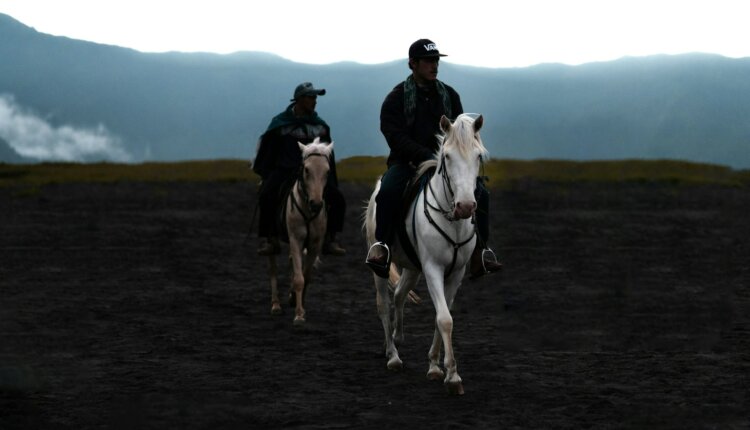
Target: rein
308,215
456,245
447,188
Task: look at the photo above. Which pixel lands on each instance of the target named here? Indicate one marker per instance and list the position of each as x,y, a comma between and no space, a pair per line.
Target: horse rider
410,120
278,161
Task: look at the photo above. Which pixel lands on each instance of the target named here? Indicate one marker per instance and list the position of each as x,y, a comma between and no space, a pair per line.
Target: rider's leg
388,201
483,259
336,214
268,208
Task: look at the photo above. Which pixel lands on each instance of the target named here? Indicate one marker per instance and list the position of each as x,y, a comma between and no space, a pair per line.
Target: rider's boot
483,261
331,247
270,247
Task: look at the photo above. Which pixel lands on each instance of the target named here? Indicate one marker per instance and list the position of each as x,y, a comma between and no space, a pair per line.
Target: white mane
460,136
317,147
463,136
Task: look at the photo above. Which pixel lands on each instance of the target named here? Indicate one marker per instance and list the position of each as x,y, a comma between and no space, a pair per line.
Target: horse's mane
316,147
425,166
462,131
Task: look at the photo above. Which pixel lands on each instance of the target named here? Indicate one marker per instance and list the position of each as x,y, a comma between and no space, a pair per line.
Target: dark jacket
278,150
416,142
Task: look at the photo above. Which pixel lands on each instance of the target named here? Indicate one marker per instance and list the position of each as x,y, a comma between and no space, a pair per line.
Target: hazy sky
484,33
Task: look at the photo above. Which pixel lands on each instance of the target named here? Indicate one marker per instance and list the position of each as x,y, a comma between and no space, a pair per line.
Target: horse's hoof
435,374
299,321
455,388
395,364
275,309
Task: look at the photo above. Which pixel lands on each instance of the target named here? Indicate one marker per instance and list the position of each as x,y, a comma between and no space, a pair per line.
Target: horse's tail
368,218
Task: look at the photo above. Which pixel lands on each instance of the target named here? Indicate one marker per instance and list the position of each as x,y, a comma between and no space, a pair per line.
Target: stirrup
379,269
494,258
479,268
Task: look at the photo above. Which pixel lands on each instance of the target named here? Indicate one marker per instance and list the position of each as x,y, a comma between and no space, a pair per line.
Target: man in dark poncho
410,121
279,159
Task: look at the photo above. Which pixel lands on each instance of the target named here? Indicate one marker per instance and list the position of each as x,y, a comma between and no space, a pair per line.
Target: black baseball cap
307,89
424,48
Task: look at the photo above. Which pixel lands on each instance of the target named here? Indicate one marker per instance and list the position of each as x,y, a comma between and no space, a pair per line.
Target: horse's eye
447,157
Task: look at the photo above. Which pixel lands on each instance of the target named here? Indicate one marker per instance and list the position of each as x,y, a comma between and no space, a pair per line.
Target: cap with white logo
424,48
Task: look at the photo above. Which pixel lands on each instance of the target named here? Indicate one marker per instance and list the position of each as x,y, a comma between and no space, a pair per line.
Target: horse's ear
445,124
330,146
301,146
478,123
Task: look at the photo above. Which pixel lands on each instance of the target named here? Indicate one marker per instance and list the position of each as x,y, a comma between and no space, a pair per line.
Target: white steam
33,137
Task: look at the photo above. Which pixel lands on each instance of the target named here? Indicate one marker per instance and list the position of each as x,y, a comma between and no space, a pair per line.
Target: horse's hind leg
407,282
272,274
384,312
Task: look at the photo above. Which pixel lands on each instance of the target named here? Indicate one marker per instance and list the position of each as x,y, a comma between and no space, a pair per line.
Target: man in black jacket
279,159
410,121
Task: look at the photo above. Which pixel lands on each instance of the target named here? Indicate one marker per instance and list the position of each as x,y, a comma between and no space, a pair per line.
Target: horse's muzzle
463,210
315,206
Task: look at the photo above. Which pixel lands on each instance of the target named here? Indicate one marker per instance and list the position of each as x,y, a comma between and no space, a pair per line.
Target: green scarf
287,118
410,99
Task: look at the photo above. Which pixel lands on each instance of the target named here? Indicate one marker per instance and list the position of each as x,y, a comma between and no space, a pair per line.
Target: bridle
447,189
307,213
448,215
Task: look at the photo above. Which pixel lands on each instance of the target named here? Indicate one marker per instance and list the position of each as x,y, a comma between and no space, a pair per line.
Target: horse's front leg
298,279
434,372
273,275
444,323
451,288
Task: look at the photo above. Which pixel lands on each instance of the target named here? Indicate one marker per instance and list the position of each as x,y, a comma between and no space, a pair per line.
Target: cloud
34,137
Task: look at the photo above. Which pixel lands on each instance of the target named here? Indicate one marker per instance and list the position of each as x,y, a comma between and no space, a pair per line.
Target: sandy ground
139,306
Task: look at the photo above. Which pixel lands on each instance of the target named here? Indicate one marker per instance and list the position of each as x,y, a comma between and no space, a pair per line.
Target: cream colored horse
305,216
442,232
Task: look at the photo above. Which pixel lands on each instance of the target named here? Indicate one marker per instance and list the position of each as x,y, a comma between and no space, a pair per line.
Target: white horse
441,230
305,216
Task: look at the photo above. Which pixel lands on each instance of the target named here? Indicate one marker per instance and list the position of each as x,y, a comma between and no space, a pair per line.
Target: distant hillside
9,155
180,106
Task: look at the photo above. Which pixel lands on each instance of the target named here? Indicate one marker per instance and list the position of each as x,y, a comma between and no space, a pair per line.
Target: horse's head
315,167
459,160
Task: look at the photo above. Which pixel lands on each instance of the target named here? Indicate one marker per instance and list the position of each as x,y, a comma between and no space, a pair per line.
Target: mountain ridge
181,106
